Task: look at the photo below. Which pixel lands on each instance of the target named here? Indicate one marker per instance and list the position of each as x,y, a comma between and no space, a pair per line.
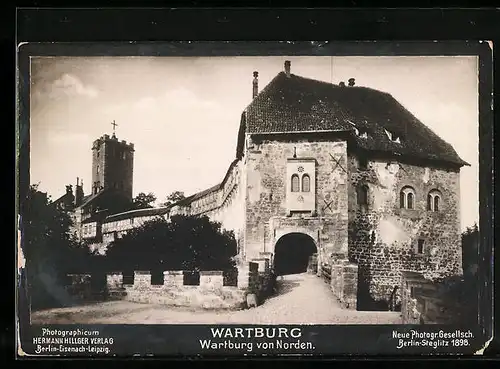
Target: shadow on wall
365,301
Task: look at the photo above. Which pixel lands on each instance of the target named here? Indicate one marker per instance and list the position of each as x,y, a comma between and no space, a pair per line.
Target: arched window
306,183
407,198
295,183
434,200
362,192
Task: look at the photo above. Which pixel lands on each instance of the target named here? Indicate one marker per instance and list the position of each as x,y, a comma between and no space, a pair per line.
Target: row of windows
120,185
406,198
123,224
207,200
299,185
89,229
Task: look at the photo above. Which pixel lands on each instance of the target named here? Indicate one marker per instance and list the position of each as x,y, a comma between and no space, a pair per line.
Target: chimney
70,198
287,68
78,192
351,82
255,84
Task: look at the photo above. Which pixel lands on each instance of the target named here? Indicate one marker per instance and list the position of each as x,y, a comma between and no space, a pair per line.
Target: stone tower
112,165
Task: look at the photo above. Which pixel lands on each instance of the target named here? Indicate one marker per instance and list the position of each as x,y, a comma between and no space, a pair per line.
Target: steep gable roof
90,198
378,121
67,197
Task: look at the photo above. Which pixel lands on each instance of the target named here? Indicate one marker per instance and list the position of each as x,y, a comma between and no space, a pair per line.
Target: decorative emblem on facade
300,199
300,169
328,204
337,163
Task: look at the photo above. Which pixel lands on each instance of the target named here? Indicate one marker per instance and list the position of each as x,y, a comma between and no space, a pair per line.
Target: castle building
345,172
112,183
342,172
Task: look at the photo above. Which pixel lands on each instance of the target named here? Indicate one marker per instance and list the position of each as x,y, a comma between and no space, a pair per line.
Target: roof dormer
392,136
360,132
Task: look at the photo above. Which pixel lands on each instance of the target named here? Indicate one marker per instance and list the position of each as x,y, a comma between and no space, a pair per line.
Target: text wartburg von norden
279,334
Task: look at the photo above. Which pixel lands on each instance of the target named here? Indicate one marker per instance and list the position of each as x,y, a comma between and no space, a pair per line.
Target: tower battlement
112,165
106,138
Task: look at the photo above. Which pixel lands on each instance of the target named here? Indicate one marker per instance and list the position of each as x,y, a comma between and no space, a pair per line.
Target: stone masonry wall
424,301
383,237
211,293
266,164
344,283
255,278
115,167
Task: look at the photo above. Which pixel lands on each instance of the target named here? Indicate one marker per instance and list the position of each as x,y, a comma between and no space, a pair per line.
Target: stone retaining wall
211,293
344,283
424,301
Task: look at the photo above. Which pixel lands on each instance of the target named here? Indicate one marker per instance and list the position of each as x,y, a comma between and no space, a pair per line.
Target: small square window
420,246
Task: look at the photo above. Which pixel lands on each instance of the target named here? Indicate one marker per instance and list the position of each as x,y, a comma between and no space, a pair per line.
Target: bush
183,243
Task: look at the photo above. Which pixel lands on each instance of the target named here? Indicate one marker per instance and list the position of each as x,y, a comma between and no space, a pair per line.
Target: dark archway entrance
292,253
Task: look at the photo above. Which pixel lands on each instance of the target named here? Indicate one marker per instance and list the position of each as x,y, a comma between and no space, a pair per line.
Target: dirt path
301,299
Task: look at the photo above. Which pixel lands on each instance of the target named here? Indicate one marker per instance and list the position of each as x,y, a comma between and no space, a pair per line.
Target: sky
183,114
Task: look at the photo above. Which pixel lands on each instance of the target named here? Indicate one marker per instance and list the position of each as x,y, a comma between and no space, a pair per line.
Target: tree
174,197
183,243
49,249
470,249
143,200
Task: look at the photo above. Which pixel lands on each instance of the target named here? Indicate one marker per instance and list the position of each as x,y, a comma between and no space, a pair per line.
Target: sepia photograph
253,190
316,200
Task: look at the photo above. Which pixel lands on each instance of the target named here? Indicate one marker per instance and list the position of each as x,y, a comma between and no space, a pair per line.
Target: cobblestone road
301,299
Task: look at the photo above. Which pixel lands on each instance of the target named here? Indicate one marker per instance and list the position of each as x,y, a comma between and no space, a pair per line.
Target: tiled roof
138,213
88,199
298,104
63,198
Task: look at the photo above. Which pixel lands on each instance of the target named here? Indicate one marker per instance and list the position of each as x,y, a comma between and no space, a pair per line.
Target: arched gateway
292,253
